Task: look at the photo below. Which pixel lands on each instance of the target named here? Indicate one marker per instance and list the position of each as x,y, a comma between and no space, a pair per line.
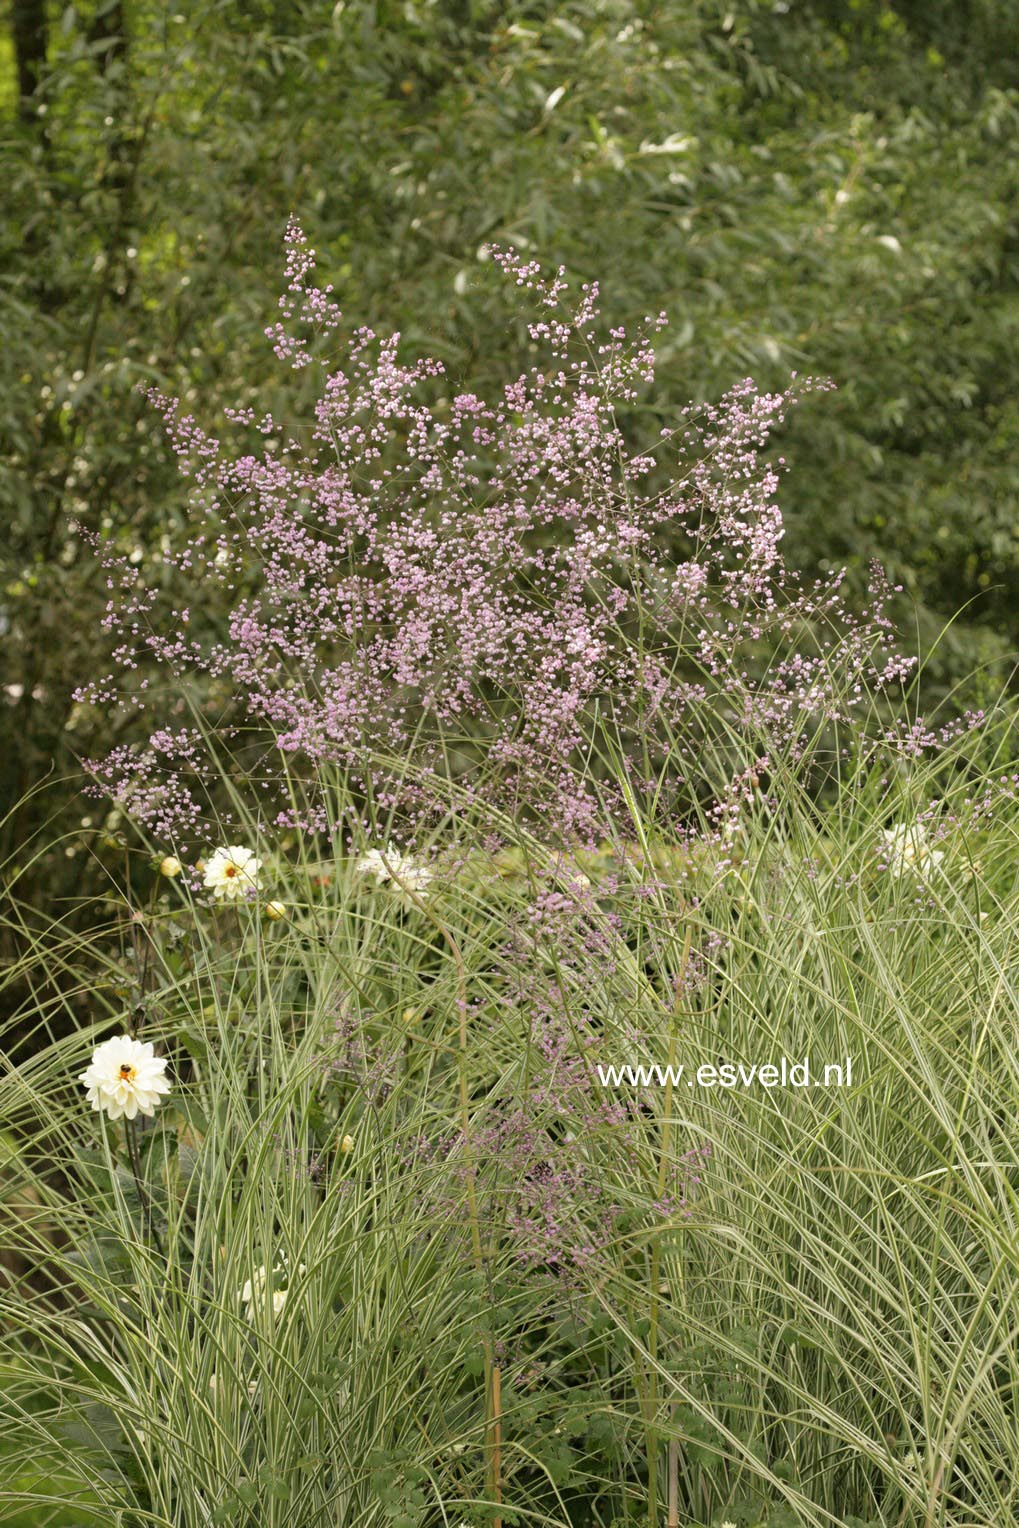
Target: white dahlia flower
907,850
252,1294
125,1078
231,873
389,864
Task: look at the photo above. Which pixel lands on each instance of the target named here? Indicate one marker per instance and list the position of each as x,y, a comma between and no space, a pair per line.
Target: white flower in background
732,831
231,873
252,1289
252,1294
125,1078
170,866
907,850
390,865
573,878
214,1386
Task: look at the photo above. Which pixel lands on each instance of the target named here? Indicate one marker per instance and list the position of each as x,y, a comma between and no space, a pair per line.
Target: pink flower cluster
436,586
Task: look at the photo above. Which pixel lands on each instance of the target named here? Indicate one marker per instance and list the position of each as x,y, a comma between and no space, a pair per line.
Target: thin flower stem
134,1156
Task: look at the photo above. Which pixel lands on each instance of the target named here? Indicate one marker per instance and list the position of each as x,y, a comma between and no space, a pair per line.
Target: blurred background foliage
802,184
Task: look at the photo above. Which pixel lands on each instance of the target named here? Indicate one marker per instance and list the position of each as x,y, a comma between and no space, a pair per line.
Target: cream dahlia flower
231,873
907,850
390,865
125,1078
252,1294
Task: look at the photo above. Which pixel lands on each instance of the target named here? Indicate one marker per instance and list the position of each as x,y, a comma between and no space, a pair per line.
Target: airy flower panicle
445,587
126,1078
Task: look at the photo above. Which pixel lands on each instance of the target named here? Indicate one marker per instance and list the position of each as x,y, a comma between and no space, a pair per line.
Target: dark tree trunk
109,27
28,25
108,32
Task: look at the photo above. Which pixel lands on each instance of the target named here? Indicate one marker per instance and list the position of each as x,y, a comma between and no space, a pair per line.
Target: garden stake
655,1251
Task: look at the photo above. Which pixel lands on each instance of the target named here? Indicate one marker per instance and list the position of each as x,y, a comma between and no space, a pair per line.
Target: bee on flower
125,1078
907,850
388,864
232,872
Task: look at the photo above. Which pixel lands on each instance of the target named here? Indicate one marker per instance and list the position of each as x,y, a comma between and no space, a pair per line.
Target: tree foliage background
802,184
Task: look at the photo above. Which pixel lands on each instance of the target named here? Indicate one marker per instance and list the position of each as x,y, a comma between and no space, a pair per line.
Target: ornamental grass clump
516,594
484,758
387,1251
